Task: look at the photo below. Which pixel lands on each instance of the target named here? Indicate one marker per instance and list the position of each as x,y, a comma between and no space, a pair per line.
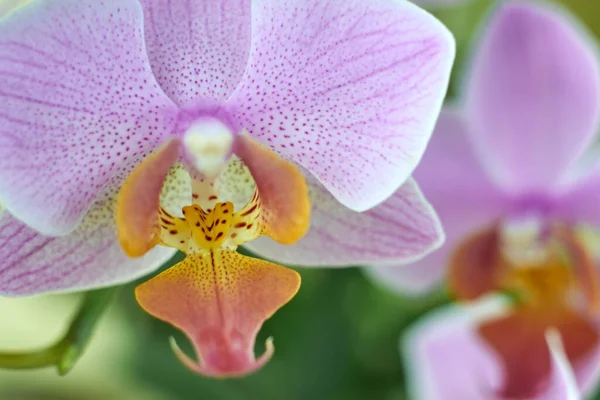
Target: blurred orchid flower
516,193
445,359
197,124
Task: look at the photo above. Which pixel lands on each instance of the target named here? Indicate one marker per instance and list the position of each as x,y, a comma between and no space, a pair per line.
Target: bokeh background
337,339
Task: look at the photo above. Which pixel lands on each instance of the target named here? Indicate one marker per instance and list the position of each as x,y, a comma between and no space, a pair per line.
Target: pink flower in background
449,363
520,201
107,100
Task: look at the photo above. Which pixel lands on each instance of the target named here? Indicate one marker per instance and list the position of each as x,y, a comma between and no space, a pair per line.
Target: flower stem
66,352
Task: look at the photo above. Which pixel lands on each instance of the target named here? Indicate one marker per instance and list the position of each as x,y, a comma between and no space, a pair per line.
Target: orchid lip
217,296
213,281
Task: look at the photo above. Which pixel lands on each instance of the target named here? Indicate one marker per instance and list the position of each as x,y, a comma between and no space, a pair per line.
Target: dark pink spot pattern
90,256
349,92
198,49
79,102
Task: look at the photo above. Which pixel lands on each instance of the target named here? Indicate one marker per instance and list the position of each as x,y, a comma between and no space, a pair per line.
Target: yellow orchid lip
218,297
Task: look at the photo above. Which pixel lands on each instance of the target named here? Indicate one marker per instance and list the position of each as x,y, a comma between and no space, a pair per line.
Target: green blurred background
337,339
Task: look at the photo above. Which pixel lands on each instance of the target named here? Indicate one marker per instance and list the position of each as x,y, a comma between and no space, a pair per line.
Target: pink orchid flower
516,194
201,125
453,363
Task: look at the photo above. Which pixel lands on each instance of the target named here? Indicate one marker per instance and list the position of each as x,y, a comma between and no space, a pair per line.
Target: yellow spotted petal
283,194
138,204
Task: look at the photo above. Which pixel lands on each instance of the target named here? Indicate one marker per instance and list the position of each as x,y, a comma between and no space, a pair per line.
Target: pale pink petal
78,103
580,202
533,95
401,229
90,257
349,90
562,383
446,359
453,180
198,49
439,3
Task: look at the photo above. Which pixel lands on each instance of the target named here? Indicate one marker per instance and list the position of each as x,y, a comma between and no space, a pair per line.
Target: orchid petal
519,341
198,49
139,200
220,300
401,229
79,105
453,180
351,92
579,204
563,384
533,96
89,257
282,191
446,359
439,3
